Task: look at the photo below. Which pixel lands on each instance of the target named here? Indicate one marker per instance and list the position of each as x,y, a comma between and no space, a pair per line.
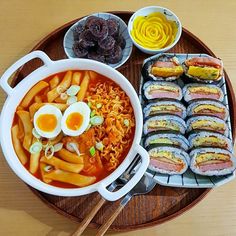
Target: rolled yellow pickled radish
154,31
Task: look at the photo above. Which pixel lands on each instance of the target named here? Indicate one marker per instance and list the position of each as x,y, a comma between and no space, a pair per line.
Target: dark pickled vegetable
85,40
78,51
77,31
89,20
107,43
113,27
95,56
115,56
98,28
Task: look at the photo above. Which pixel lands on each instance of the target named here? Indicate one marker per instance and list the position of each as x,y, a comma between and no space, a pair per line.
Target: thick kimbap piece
202,91
208,107
164,123
207,123
165,107
165,67
204,69
167,139
168,160
212,161
209,139
155,89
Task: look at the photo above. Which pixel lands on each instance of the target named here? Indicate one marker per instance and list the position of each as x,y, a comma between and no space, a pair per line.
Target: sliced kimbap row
168,160
202,91
165,107
208,107
174,139
155,89
212,161
207,123
164,67
204,69
164,123
209,139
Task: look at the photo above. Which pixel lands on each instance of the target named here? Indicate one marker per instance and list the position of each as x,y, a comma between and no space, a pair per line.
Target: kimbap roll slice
207,123
204,69
208,107
164,123
168,160
165,107
174,139
209,139
212,161
202,91
155,90
165,68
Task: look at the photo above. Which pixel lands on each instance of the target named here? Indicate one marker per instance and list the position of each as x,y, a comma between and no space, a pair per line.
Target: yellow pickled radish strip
154,31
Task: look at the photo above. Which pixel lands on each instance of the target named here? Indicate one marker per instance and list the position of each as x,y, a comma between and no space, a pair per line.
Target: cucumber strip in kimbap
208,107
165,107
164,67
155,89
212,161
168,160
207,123
167,138
204,69
164,123
209,139
202,91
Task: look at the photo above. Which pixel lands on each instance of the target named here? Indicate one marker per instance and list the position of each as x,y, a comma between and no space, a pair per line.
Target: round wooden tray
161,204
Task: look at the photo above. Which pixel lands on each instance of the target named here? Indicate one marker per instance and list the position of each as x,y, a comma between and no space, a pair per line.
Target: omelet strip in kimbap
205,69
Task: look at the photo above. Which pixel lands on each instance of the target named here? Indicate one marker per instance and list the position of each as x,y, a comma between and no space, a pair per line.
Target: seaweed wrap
165,107
168,160
156,89
164,67
164,138
212,161
204,69
164,123
207,123
208,107
209,139
202,91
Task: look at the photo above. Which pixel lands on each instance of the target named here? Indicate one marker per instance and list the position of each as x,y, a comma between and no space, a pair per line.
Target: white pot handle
113,196
7,74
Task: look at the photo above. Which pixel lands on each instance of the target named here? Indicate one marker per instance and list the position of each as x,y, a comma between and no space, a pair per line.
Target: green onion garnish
99,105
99,146
92,151
96,120
36,147
93,113
126,122
73,90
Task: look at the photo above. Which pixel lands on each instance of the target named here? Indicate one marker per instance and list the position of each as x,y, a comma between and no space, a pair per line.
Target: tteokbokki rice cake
73,128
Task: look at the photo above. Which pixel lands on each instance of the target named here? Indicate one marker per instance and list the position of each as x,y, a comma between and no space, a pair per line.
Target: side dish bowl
50,67
154,9
69,38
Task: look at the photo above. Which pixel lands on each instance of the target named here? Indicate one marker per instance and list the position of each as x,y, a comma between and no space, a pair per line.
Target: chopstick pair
124,178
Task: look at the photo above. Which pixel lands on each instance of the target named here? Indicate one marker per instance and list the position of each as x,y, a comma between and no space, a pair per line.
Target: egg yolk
47,122
74,121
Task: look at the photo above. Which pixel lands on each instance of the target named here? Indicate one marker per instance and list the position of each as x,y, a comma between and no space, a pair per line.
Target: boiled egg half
75,119
47,121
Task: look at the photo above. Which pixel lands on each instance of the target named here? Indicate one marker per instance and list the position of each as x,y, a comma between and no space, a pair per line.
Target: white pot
50,67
